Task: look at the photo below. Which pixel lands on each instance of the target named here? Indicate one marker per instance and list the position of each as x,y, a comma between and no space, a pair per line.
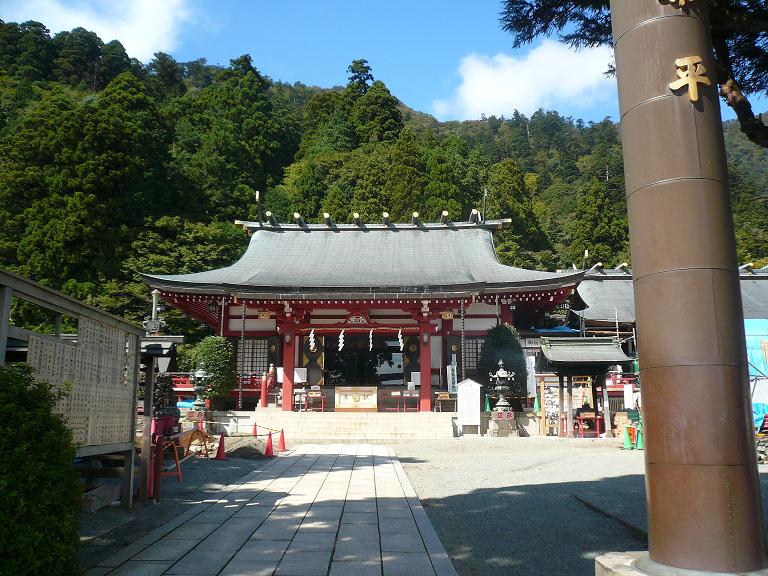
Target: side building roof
313,260
604,293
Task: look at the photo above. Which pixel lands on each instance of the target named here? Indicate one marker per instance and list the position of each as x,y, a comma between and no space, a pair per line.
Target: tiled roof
583,351
403,258
604,292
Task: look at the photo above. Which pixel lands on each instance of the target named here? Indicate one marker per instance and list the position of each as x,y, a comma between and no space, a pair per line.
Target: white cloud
551,75
143,26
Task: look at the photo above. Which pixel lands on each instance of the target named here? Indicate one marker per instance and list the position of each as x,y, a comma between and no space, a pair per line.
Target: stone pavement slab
318,510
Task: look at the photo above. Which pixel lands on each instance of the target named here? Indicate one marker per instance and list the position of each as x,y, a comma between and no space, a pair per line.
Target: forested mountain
109,167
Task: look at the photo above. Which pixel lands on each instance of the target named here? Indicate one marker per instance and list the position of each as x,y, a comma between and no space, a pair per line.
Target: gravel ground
530,506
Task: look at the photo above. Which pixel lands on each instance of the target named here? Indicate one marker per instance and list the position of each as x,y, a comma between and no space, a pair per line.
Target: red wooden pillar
264,381
425,361
289,347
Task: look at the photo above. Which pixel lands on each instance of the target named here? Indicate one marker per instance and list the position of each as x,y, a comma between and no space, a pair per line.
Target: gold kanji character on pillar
691,72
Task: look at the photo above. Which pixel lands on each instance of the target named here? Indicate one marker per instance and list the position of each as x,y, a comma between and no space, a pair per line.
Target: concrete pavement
319,510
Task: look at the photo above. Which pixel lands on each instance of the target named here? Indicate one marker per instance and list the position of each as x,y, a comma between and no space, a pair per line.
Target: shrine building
370,307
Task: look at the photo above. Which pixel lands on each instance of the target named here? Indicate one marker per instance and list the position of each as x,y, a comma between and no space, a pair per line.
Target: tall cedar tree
597,228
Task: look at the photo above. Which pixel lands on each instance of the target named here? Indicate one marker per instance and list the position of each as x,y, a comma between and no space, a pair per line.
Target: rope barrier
225,423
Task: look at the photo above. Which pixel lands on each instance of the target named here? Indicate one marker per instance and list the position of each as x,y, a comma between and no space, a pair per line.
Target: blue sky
448,58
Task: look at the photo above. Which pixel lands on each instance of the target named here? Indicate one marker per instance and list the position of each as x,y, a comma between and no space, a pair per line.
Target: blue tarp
557,330
756,331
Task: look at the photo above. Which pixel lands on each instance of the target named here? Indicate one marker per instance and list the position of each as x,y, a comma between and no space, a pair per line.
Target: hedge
39,491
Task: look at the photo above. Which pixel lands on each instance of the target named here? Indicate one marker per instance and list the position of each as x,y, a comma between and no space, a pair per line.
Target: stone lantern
200,380
500,384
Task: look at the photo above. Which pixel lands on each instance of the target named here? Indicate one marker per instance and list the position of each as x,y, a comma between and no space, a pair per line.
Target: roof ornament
258,207
272,220
328,219
746,268
385,218
474,216
444,217
299,219
415,219
356,218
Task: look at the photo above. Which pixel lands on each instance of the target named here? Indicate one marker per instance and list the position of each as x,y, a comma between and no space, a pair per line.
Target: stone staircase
319,426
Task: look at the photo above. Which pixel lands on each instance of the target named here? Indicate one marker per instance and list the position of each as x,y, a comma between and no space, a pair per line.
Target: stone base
500,426
639,564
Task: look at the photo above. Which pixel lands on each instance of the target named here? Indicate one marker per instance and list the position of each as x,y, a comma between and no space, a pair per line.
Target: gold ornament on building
691,72
676,3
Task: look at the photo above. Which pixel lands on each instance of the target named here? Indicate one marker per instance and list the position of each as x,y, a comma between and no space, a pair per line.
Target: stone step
339,426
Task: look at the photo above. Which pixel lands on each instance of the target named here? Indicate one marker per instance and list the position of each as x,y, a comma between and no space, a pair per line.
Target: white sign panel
299,375
531,365
450,372
468,403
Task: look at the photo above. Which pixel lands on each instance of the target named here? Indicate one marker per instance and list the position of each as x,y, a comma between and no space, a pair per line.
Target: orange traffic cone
281,442
268,451
220,454
255,430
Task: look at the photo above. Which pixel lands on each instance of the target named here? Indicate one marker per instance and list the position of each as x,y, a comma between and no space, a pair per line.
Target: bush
39,492
218,356
503,343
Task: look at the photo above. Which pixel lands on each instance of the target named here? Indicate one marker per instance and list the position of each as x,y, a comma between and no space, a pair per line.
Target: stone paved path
338,510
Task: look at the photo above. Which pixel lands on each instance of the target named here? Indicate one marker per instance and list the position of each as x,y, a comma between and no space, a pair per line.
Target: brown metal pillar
704,508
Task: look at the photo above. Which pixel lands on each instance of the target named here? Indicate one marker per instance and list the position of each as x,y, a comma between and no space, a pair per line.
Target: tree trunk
752,126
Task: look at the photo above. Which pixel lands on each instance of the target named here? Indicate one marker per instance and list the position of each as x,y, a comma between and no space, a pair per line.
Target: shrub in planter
39,492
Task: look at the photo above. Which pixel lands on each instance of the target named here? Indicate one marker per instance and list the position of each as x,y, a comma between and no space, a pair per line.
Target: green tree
169,245
522,242
26,50
750,214
165,76
738,30
77,60
597,228
217,356
376,116
114,61
338,203
503,343
360,77
229,134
